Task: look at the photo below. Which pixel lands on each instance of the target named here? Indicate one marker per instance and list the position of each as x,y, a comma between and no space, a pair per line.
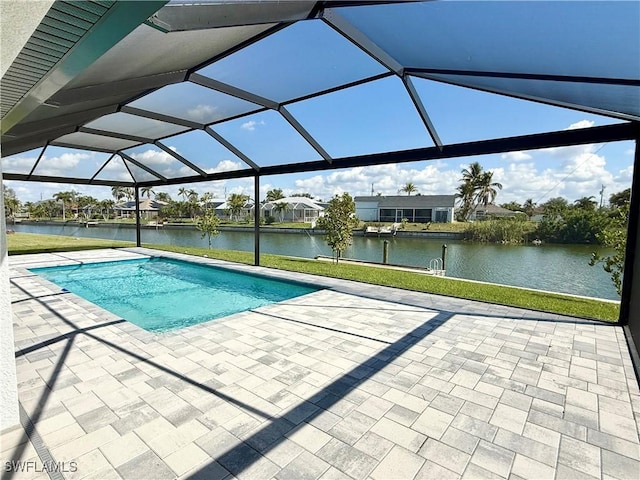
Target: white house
223,211
149,208
416,208
299,209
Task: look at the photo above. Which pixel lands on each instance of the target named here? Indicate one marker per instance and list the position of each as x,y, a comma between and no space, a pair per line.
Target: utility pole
372,189
602,196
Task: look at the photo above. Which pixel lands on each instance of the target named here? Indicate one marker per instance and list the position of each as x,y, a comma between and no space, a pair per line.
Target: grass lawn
21,243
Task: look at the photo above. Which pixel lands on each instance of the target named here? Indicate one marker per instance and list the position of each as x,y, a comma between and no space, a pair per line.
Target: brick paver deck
354,381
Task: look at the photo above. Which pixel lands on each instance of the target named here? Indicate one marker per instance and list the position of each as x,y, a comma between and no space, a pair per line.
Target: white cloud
18,164
62,165
251,125
226,166
154,158
516,156
202,112
581,124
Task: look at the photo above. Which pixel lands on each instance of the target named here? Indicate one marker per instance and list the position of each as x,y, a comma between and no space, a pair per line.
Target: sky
373,117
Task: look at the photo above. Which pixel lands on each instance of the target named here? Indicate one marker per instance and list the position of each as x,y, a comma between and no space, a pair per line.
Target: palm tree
529,207
147,191
129,192
466,194
118,193
163,197
409,188
472,174
477,188
274,194
183,192
11,202
486,189
586,203
236,202
65,198
106,206
281,208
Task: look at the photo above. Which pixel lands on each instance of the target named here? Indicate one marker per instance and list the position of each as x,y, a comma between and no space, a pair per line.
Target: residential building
416,208
299,209
149,208
492,211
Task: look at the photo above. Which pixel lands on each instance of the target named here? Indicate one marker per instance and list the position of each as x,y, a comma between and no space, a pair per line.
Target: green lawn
586,308
21,243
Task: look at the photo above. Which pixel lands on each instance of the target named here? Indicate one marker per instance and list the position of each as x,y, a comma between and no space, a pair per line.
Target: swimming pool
161,294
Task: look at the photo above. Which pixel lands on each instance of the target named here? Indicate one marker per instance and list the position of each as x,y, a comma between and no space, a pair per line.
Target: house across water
416,209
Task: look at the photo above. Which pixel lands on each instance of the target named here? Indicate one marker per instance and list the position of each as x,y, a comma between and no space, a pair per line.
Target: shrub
500,230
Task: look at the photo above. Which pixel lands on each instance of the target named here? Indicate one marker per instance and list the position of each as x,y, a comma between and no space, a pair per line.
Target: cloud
202,112
516,156
154,158
115,170
251,125
581,124
18,164
226,166
61,165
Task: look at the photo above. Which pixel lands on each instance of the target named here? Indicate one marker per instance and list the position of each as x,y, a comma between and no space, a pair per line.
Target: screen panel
70,163
205,152
596,39
128,124
370,118
115,170
21,163
160,161
301,59
267,139
193,102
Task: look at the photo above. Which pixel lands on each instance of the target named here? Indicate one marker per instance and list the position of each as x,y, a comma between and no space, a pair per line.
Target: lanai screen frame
608,133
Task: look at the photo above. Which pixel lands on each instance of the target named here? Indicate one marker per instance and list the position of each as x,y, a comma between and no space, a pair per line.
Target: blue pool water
160,294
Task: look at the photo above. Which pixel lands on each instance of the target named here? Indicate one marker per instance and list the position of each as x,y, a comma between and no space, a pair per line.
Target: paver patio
353,381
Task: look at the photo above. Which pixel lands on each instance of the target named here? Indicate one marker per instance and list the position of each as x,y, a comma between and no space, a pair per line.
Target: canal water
557,268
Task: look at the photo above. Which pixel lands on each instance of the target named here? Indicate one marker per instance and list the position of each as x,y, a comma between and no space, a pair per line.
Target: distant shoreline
249,228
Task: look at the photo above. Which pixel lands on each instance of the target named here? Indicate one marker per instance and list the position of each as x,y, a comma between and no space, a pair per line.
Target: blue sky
374,117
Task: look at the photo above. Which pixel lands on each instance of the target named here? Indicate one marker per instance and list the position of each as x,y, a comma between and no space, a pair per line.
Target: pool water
160,294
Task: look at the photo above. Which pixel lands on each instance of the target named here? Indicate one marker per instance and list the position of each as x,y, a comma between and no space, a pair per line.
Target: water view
558,268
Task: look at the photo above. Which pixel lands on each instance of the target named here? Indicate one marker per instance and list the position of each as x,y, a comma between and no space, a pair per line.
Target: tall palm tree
147,191
118,193
106,206
281,208
473,173
486,191
183,192
529,207
274,194
66,198
409,188
466,194
236,202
